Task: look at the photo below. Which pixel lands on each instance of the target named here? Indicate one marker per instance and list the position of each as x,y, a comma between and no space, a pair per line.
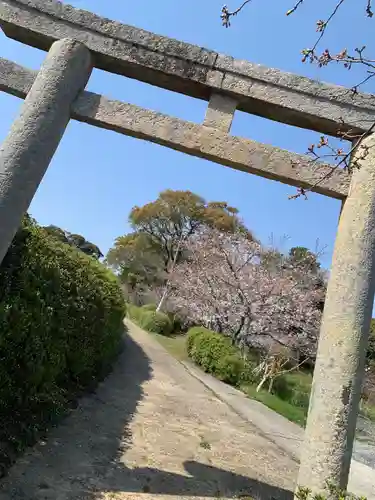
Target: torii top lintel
189,69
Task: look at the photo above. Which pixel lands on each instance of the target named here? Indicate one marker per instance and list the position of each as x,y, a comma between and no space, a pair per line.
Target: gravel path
289,436
154,430
151,431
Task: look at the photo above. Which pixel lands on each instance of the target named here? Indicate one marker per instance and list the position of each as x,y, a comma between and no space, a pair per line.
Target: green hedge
61,320
150,320
167,326
134,312
156,322
216,355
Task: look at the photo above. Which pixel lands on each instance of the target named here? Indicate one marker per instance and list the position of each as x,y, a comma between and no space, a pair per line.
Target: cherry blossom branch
342,159
321,27
346,159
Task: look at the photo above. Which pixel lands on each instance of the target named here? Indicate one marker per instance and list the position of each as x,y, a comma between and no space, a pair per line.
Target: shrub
216,355
293,387
173,317
148,319
230,369
193,333
330,491
61,320
134,312
282,388
156,322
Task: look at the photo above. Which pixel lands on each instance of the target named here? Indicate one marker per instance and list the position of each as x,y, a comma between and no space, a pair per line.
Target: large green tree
162,226
176,215
137,260
74,240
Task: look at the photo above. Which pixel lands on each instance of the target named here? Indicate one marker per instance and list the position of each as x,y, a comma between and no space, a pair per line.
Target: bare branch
293,9
345,160
369,11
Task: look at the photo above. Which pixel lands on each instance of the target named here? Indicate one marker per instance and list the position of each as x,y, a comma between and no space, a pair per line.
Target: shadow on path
78,452
204,481
83,457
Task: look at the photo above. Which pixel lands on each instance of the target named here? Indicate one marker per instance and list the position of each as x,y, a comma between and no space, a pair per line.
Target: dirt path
151,431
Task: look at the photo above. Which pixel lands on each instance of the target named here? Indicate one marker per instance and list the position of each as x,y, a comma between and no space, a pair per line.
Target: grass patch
293,413
175,344
292,403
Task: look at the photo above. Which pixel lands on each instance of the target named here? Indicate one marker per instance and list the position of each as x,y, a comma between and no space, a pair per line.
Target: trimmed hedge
134,312
156,322
175,323
150,320
61,321
216,355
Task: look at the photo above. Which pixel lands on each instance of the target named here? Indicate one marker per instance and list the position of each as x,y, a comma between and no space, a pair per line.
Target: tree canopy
229,284
176,215
161,230
74,240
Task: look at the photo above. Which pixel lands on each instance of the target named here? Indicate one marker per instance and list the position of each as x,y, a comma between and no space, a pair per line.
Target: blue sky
97,176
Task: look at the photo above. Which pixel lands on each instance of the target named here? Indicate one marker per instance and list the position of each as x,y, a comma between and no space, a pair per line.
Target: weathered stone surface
196,140
339,367
15,79
34,136
189,69
220,112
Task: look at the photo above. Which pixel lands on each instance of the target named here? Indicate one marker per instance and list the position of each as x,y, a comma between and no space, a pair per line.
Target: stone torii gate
77,41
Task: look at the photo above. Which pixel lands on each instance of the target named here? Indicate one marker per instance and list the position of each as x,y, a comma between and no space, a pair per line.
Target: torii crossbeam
78,40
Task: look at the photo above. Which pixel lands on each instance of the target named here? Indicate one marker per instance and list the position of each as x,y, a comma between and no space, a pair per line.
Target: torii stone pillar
35,134
339,369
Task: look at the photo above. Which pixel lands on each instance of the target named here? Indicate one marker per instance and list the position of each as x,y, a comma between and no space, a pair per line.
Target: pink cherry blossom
253,294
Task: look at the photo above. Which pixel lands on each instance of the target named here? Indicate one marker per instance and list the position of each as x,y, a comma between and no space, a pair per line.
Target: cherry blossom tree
256,295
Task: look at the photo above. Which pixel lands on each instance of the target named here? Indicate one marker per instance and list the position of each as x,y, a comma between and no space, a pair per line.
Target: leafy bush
371,342
216,355
148,319
134,312
61,320
294,387
156,322
193,333
175,320
331,492
231,369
